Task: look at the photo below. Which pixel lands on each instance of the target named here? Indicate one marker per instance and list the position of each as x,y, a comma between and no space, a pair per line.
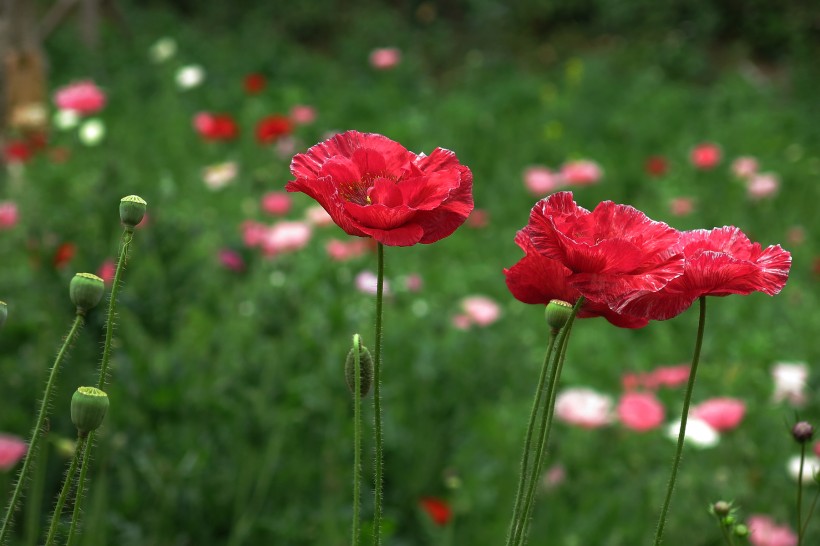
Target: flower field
283,167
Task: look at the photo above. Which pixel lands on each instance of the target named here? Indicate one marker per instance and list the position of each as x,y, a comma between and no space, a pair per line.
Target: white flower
66,119
190,76
698,432
790,382
811,465
92,132
162,50
220,175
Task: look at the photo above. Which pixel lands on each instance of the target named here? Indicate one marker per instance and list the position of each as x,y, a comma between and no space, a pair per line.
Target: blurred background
230,421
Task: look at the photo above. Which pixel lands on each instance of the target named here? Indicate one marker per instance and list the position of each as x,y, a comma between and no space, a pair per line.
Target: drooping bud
86,291
88,408
132,210
365,368
4,313
802,432
557,313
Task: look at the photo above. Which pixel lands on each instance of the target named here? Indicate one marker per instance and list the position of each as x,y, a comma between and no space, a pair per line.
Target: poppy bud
132,209
557,314
4,313
721,508
86,291
365,368
88,407
802,432
741,530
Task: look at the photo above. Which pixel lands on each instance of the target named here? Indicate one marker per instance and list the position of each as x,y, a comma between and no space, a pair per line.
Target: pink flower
581,173
796,235
790,382
705,156
342,251
722,414
230,259
285,237
668,376
367,283
318,216
478,219
253,233
817,448
12,449
540,181
764,532
461,321
762,185
744,167
682,206
385,58
554,476
640,411
583,407
82,97
276,203
107,270
413,282
8,214
302,114
481,310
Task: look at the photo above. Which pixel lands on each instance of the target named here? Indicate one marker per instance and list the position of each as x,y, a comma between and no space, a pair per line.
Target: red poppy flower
64,253
438,510
613,251
272,128
536,279
373,187
215,126
254,83
717,262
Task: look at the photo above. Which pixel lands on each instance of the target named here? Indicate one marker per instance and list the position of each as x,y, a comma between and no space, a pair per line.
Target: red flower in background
705,156
717,262
63,255
215,126
254,84
438,510
373,187
536,279
272,128
17,151
656,166
640,411
611,252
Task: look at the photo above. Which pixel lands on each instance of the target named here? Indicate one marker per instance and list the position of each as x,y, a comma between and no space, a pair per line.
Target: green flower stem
377,404
69,479
78,497
546,424
38,431
687,399
811,511
357,437
724,530
536,404
127,237
800,495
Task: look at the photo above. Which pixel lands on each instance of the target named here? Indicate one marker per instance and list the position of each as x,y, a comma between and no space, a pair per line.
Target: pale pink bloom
796,235
8,214
583,407
276,203
385,58
253,233
461,321
367,283
478,219
541,181
640,411
301,114
744,167
482,310
554,476
668,376
341,251
413,282
285,147
705,156
285,237
230,259
220,175
682,206
581,173
762,185
107,270
722,414
318,216
12,449
763,531
82,97
790,380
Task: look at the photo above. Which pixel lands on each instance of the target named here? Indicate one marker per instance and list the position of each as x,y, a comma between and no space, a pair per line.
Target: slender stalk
800,495
69,479
811,511
546,424
78,496
357,437
377,404
687,399
724,530
536,404
38,431
127,237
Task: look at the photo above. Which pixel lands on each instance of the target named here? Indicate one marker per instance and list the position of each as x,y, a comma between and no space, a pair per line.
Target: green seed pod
365,369
86,291
557,313
88,407
4,313
132,210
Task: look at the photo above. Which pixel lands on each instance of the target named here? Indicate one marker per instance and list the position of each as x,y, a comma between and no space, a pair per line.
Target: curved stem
800,495
546,423
31,453
536,404
687,399
357,437
127,237
377,405
69,479
78,497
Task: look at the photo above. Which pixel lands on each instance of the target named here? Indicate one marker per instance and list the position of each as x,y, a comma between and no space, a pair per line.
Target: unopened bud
721,508
741,530
86,291
88,408
132,210
557,313
365,369
802,432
